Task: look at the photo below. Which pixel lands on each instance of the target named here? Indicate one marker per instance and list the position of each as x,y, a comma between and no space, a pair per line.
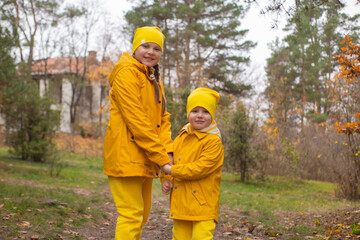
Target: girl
138,136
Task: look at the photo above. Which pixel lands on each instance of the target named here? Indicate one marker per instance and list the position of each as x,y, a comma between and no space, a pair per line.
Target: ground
233,225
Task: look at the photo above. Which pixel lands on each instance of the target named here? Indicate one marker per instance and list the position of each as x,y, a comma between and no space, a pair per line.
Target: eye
158,49
145,45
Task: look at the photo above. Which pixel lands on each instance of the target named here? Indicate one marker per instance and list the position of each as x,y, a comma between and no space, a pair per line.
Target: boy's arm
211,158
164,177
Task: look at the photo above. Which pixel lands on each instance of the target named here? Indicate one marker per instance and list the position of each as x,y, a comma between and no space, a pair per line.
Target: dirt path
233,225
159,226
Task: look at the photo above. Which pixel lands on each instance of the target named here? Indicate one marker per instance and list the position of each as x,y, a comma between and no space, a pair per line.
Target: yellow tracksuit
137,140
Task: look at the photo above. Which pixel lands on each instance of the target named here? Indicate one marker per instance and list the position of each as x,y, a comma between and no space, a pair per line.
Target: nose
151,51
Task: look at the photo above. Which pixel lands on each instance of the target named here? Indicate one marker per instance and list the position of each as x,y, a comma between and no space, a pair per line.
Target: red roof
64,65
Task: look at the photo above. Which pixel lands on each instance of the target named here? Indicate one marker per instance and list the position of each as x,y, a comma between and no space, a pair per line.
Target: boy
195,176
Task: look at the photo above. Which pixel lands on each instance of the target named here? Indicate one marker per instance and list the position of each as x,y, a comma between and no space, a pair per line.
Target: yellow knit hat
147,34
203,97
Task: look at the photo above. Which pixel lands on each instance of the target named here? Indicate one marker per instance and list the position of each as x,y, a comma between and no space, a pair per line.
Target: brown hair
155,76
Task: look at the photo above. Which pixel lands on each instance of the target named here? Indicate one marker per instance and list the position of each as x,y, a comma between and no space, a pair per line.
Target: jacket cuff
169,148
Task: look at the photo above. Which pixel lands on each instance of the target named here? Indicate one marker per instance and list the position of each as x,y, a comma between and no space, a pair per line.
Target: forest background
303,124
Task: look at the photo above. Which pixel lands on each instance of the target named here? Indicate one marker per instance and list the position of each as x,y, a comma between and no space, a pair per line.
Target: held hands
171,158
166,187
166,168
170,163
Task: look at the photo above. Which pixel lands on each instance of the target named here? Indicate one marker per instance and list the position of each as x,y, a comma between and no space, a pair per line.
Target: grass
262,202
33,201
279,193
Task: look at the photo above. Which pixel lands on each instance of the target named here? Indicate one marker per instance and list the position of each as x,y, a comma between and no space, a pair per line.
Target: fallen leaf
151,227
1,205
35,237
7,217
227,228
24,224
71,232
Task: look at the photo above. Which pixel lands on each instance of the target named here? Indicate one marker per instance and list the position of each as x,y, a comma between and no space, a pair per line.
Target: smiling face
148,54
199,118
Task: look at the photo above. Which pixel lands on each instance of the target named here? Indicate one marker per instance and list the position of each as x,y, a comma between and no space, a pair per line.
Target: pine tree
279,91
238,148
204,40
313,40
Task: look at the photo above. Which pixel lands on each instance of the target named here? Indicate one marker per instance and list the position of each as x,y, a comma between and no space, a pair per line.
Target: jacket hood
126,60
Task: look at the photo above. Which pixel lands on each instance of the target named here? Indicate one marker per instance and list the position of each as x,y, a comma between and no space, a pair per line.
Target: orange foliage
88,147
349,61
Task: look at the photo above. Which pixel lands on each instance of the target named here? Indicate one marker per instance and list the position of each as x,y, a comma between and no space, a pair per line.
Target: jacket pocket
137,154
197,192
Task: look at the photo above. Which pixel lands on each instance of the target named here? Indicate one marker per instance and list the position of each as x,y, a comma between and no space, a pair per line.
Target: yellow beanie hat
203,97
147,34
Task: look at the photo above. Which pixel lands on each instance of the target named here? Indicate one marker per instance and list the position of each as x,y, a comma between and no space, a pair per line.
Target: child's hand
166,168
171,158
166,187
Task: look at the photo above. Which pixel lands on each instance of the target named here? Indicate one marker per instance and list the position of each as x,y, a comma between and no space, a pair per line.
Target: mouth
148,58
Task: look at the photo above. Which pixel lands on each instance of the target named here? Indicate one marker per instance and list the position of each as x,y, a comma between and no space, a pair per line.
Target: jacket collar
212,129
127,60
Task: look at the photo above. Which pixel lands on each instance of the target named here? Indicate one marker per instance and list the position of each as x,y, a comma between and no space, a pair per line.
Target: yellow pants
193,230
132,197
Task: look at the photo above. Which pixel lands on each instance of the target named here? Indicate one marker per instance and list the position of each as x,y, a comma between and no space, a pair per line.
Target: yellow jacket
196,175
137,137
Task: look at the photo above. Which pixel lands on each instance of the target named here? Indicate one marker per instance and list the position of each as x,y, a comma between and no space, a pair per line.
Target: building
78,85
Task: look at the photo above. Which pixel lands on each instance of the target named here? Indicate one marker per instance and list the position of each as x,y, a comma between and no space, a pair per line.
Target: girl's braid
157,90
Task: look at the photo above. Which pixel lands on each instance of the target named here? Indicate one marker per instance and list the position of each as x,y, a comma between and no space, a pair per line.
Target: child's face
199,118
148,54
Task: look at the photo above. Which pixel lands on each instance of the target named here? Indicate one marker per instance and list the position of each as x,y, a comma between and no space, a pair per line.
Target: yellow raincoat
138,137
196,175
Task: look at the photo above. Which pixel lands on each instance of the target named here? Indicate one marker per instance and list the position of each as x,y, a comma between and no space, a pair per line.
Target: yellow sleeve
164,177
127,91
